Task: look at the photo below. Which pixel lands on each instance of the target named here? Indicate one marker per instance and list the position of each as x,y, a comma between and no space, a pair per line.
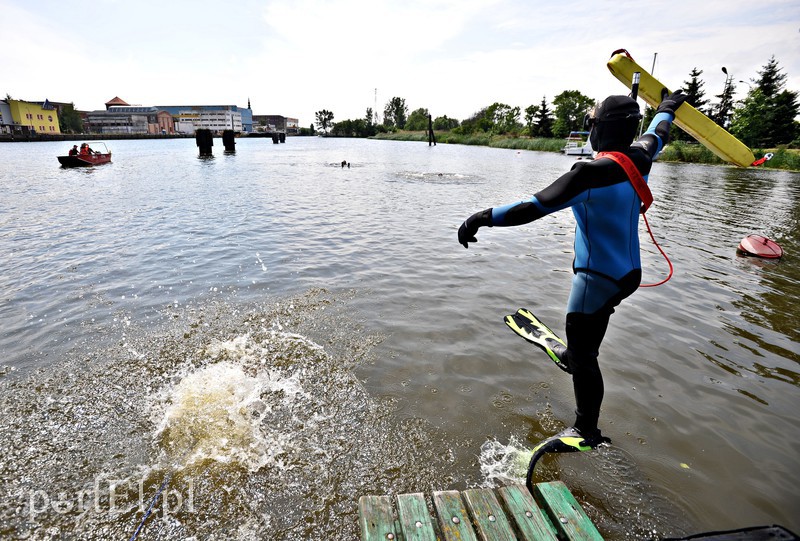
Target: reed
676,151
783,158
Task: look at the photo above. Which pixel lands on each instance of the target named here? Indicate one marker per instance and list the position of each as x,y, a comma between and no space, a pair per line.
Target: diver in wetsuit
607,266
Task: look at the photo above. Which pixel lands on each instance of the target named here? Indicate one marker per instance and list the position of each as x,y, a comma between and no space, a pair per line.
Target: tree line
765,118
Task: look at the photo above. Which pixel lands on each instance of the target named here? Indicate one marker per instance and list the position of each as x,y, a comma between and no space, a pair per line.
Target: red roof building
116,100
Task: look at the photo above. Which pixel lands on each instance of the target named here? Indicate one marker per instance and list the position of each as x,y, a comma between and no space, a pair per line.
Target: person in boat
74,150
606,265
86,150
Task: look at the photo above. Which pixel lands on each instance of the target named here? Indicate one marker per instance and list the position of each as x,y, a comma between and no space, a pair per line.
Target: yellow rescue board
695,123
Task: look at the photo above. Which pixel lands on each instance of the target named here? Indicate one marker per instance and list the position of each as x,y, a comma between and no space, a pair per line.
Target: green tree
443,123
69,120
571,108
771,80
480,121
784,129
369,117
767,115
531,113
417,120
722,113
544,120
504,118
693,88
324,120
750,121
497,118
539,120
351,128
395,113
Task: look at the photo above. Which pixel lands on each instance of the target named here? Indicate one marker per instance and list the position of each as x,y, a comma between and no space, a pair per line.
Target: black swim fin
568,441
528,326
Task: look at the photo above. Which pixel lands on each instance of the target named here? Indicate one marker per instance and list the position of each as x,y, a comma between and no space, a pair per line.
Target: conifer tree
767,115
693,88
544,120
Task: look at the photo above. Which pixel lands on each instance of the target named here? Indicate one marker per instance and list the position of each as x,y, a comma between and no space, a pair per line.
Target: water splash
503,464
217,412
605,482
259,430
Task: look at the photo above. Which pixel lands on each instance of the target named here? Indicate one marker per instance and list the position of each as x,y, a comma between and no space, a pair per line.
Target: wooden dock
503,514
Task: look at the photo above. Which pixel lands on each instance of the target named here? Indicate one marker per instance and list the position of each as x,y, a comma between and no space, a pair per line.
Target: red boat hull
84,160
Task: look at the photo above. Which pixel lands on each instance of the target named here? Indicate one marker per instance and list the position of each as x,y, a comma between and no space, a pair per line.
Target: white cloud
453,57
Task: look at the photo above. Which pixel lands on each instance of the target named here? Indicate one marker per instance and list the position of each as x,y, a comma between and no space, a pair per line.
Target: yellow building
39,117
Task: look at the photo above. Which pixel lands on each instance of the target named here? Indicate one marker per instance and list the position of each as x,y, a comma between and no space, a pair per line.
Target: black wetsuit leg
585,333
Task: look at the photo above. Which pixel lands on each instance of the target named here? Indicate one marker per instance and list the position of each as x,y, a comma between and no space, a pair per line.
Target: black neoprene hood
614,123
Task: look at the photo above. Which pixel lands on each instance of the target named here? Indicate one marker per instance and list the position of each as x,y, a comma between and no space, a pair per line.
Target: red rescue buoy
759,246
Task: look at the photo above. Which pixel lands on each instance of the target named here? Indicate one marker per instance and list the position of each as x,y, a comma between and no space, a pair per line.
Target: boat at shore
578,144
92,157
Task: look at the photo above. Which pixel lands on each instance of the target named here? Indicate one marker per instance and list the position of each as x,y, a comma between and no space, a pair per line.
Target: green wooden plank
488,515
375,516
531,522
565,512
415,520
454,523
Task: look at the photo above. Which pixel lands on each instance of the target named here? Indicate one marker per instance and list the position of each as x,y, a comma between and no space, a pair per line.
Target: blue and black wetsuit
607,265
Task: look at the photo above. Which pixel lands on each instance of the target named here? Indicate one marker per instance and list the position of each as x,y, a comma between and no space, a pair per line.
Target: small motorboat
85,159
577,144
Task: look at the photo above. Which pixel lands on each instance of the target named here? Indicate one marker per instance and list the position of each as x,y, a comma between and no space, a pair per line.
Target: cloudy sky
453,57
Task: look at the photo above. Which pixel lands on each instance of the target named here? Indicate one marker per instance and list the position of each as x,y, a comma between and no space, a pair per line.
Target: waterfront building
6,121
124,119
166,124
276,123
120,117
216,118
29,117
116,100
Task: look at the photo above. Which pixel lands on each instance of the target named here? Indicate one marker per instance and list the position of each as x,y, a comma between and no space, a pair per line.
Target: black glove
671,103
466,233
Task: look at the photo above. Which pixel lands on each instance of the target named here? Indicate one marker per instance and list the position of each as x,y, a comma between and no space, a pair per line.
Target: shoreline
784,159
41,138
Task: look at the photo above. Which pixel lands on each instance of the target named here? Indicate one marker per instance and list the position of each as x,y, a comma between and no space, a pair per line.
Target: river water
260,338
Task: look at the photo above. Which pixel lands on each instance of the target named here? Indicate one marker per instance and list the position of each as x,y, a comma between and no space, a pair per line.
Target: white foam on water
221,411
5,369
502,464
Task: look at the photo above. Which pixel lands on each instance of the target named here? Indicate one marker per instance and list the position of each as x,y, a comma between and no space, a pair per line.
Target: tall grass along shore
676,151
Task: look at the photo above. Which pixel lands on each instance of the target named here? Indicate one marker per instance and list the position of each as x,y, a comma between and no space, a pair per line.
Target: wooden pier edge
505,514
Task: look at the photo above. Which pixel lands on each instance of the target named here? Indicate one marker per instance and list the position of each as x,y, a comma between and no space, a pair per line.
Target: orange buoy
759,246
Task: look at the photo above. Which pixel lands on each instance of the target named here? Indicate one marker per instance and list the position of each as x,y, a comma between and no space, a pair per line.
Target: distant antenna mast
375,107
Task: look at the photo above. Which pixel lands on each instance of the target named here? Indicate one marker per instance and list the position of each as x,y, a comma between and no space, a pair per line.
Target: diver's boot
580,441
567,441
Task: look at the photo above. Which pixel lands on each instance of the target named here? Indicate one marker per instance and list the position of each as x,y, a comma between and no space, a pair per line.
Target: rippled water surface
262,337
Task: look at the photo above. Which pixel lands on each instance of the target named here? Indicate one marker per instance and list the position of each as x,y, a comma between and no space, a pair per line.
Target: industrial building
217,118
276,123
